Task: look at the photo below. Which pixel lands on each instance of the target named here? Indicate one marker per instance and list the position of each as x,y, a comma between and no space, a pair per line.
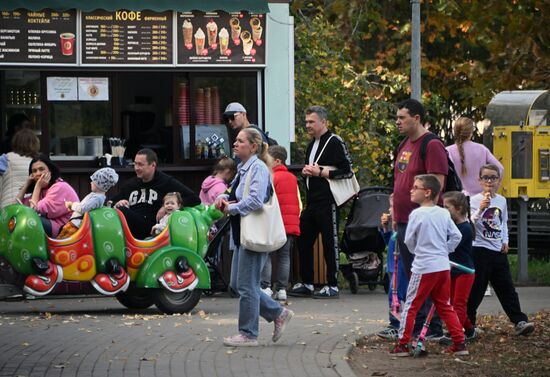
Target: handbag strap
323,149
246,189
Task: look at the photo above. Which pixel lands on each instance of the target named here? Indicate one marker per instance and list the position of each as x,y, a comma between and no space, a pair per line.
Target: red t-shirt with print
409,164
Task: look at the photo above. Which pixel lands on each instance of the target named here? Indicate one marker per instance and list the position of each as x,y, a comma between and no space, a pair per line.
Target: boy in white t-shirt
431,236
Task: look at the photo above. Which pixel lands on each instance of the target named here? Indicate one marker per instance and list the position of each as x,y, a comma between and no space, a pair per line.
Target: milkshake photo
187,30
199,41
212,30
224,41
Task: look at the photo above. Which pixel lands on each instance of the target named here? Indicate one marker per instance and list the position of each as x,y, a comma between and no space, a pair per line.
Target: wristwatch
320,171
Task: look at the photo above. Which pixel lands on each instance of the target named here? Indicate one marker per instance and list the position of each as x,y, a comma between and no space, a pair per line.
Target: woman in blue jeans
246,264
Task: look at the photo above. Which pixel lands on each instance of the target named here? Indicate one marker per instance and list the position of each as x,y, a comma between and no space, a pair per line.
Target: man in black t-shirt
141,198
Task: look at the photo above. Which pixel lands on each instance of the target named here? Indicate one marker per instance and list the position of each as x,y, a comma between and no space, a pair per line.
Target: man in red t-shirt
408,164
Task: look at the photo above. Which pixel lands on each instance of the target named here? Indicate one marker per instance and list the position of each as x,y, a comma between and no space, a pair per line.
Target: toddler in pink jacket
216,184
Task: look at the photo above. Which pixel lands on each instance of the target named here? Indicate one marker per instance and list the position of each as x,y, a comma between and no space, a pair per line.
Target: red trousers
436,285
461,285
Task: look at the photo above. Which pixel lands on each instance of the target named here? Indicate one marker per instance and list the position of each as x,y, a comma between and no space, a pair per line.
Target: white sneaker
267,291
280,295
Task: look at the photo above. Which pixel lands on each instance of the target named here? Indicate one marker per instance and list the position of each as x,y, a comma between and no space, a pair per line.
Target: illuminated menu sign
43,37
221,38
127,37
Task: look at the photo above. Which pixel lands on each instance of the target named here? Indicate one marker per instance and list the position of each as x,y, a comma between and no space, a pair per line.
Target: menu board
127,37
43,37
221,38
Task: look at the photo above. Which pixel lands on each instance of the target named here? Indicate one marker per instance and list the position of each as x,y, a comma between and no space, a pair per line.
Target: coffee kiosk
149,74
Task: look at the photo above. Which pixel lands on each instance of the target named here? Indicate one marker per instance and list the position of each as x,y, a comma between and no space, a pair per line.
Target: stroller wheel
353,282
372,287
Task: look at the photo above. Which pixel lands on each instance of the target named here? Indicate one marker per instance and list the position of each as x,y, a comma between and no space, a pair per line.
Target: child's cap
104,178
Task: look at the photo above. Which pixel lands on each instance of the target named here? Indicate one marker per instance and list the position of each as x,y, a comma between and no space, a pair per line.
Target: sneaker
524,328
445,341
184,281
280,295
300,290
267,291
388,333
240,340
457,350
327,292
111,284
471,335
41,285
280,324
401,350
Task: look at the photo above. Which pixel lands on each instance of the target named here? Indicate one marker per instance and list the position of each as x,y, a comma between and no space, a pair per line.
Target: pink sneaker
240,340
280,324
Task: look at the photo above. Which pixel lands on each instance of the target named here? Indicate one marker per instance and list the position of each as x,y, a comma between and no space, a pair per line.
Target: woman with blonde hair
468,156
246,264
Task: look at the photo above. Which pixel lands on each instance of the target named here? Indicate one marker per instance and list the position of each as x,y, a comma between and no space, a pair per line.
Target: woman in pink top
47,193
468,157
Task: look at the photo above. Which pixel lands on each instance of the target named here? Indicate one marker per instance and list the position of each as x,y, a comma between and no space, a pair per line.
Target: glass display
201,101
22,97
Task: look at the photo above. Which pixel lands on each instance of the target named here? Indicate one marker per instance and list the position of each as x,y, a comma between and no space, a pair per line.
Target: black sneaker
327,292
388,333
471,335
446,341
300,290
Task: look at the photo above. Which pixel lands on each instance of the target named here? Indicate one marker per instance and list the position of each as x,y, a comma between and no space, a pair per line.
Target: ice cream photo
247,42
235,30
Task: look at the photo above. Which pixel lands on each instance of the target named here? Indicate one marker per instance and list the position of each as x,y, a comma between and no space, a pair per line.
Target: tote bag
263,230
342,189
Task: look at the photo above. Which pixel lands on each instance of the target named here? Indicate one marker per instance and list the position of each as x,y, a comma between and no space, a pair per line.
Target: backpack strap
429,137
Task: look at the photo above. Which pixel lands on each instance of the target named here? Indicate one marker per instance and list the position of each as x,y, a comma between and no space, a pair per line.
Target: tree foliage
360,102
354,57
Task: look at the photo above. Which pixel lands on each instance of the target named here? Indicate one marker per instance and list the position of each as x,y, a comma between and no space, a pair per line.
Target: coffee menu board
217,38
127,37
38,37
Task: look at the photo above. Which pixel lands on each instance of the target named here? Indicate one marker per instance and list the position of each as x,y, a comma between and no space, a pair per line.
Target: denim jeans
283,267
246,267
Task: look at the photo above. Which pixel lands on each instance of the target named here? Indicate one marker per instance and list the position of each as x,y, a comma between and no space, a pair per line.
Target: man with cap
236,119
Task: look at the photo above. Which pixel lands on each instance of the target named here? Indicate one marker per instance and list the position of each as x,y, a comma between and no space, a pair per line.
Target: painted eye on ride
11,224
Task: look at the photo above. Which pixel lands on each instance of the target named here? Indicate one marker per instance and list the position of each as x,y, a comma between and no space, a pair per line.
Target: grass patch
538,269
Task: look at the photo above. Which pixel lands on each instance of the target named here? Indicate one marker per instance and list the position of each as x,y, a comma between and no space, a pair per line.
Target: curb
338,358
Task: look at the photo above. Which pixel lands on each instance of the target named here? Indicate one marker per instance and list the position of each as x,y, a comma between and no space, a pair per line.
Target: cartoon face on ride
167,270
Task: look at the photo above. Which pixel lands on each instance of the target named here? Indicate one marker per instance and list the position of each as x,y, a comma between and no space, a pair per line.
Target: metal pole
415,52
523,275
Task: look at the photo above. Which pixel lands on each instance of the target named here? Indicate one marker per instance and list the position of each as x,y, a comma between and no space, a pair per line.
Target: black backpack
453,182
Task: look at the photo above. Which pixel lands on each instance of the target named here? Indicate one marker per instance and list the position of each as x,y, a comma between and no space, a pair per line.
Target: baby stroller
362,242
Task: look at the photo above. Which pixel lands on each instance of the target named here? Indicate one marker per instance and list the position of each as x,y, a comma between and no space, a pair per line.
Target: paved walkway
97,337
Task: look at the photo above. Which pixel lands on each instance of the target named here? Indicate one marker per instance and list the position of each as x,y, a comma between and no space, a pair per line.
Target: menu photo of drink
38,37
215,38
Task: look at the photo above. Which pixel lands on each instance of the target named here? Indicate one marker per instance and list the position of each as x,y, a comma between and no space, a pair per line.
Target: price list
42,37
126,37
